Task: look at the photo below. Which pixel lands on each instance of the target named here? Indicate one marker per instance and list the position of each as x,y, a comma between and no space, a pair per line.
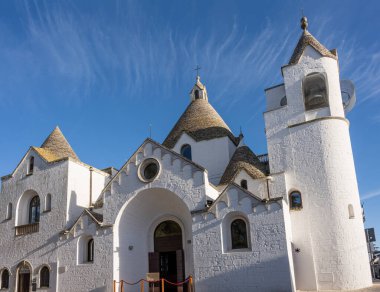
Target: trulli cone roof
56,147
243,159
201,122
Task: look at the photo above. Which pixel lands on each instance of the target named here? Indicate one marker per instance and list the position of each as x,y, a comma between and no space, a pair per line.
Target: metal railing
27,229
263,158
160,284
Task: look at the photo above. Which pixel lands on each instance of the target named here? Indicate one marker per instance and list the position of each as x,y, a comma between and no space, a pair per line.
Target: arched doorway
135,227
167,258
23,277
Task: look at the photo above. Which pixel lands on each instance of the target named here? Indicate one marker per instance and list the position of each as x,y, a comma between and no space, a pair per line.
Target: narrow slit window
31,165
48,203
90,250
9,212
351,214
244,184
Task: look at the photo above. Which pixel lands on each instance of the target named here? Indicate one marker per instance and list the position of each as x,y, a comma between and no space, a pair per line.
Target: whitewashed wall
78,189
38,248
218,268
85,276
213,154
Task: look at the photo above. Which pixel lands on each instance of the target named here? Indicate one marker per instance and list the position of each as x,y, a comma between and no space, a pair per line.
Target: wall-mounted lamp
130,247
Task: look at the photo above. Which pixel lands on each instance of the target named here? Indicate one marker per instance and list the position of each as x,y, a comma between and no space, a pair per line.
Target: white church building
201,203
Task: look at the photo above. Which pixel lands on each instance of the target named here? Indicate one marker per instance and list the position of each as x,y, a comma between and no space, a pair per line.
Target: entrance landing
374,288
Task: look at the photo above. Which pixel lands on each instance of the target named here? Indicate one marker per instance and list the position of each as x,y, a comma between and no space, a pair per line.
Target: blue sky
105,70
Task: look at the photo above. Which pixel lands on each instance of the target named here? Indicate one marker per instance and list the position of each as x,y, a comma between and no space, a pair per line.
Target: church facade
200,203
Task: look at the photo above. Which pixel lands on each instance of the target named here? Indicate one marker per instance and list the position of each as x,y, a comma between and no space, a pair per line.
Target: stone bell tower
308,140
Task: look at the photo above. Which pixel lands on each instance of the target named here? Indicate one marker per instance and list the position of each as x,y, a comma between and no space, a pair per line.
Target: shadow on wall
99,289
74,209
265,276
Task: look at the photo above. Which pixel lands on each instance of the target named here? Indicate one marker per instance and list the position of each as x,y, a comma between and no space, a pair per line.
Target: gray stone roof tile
56,147
243,159
307,39
201,122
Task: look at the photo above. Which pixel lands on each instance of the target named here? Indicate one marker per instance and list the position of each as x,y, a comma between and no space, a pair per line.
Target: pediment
130,172
21,169
84,220
234,198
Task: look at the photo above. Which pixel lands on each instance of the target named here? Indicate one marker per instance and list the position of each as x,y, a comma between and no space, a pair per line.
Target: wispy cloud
370,195
85,56
358,62
82,54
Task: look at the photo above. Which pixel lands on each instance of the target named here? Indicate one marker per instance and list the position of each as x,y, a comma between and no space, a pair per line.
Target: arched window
48,203
34,210
239,234
31,165
186,151
315,91
244,184
9,211
5,279
351,213
44,277
295,200
90,250
196,94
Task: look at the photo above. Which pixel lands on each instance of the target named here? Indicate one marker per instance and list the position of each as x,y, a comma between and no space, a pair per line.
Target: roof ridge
308,39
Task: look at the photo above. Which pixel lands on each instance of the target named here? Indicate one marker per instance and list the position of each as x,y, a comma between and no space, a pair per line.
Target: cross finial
197,69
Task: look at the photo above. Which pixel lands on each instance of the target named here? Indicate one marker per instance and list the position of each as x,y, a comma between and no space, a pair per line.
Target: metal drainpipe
91,170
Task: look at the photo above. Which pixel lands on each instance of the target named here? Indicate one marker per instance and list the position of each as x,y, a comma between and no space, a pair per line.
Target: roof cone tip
304,23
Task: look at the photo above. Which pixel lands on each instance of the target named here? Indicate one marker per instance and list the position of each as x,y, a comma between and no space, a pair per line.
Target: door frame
19,266
152,228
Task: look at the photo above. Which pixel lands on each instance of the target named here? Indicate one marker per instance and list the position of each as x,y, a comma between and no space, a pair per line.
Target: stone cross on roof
197,69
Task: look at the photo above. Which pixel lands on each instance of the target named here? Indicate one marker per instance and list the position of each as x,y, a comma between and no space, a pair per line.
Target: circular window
149,170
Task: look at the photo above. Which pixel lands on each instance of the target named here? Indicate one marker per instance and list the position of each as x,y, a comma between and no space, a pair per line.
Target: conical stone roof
201,122
56,147
243,159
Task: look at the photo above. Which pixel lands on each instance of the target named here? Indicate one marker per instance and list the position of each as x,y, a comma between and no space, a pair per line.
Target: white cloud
370,195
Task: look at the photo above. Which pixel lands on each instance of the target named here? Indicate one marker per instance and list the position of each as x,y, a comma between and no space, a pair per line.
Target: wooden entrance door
23,282
167,258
